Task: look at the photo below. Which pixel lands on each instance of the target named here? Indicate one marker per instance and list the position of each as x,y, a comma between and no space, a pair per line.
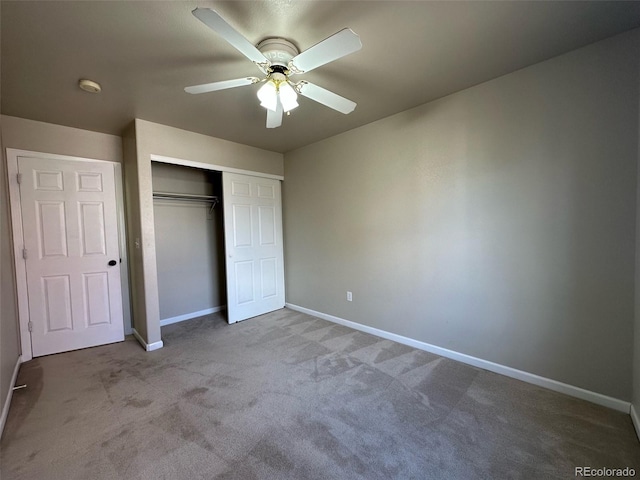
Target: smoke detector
89,86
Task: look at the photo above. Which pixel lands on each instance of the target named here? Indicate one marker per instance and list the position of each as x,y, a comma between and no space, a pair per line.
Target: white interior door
253,245
72,254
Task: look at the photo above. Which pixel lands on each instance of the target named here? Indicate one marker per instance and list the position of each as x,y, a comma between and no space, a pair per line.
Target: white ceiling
144,53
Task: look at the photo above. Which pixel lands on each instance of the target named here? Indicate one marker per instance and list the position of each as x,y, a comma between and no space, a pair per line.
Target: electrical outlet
349,297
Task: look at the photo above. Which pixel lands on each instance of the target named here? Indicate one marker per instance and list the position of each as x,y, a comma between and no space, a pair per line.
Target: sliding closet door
253,245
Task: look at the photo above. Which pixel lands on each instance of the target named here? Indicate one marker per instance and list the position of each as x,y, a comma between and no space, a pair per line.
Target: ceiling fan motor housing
277,50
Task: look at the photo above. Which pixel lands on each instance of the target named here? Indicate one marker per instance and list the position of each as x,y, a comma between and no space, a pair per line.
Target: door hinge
30,326
19,177
24,253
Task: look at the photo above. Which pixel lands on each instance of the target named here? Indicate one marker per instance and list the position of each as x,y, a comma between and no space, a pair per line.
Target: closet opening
189,238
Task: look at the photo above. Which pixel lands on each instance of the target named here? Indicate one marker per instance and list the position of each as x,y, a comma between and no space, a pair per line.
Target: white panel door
253,245
72,254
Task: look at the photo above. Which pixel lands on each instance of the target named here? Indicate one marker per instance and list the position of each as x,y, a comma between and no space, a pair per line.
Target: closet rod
185,196
189,197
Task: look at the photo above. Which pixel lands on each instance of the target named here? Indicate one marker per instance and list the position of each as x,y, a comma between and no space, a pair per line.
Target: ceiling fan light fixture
268,95
288,97
274,89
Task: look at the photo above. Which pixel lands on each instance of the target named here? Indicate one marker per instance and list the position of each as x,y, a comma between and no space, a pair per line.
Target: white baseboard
189,316
554,385
7,402
635,419
149,347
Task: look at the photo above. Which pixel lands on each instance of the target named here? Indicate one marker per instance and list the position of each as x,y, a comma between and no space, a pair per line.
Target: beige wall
9,336
497,222
48,138
155,139
636,332
132,195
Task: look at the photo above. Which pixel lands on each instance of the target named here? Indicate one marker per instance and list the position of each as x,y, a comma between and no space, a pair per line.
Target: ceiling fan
279,59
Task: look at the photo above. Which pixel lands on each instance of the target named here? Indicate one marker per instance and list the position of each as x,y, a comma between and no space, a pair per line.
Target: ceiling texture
144,53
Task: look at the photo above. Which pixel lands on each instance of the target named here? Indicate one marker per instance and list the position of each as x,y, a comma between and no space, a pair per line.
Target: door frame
205,166
210,166
12,156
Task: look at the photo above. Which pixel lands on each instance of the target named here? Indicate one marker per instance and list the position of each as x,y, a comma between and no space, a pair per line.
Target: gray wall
9,336
498,222
189,241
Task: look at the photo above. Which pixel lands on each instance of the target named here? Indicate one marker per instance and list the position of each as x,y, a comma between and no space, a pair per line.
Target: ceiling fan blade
212,87
274,118
215,22
338,45
326,97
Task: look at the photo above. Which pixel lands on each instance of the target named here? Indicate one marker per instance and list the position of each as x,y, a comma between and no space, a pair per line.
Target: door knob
112,263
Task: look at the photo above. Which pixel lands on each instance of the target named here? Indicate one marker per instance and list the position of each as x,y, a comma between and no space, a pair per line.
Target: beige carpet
289,396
